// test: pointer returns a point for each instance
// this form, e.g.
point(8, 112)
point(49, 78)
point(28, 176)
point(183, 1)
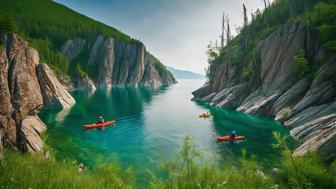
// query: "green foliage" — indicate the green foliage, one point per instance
point(323, 22)
point(301, 172)
point(7, 24)
point(304, 172)
point(301, 64)
point(248, 72)
point(79, 71)
point(190, 169)
point(212, 53)
point(47, 25)
point(50, 55)
point(157, 64)
point(34, 171)
point(47, 19)
point(319, 15)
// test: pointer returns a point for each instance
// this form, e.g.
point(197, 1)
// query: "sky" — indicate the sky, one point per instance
point(177, 32)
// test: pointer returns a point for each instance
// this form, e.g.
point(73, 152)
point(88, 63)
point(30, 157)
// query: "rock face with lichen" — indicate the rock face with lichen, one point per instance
point(306, 105)
point(25, 87)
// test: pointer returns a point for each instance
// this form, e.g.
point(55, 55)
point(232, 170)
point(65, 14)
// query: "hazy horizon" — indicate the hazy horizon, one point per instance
point(177, 32)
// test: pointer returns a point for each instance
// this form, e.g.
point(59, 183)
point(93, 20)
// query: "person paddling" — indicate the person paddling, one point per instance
point(233, 134)
point(100, 120)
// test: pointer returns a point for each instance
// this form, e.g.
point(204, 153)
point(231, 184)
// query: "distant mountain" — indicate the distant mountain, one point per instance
point(184, 74)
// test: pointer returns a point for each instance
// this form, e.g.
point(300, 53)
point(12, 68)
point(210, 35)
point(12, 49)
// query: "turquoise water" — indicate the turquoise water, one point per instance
point(151, 126)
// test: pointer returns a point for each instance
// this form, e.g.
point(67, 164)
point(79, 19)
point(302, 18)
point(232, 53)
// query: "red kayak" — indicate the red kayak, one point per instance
point(228, 138)
point(98, 125)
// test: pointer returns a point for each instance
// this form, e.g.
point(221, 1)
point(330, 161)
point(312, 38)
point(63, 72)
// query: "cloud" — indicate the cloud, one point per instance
point(175, 31)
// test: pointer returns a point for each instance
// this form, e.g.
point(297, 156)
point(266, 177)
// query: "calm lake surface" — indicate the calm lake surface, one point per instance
point(151, 126)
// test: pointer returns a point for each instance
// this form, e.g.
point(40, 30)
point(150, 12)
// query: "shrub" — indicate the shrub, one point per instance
point(301, 63)
point(191, 169)
point(80, 72)
point(7, 24)
point(34, 171)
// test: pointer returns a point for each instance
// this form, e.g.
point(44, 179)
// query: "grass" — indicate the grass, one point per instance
point(190, 168)
point(34, 171)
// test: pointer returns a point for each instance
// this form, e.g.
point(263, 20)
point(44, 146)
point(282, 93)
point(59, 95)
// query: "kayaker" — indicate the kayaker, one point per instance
point(233, 134)
point(100, 120)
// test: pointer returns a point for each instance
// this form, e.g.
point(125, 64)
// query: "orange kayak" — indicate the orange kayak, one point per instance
point(228, 138)
point(98, 125)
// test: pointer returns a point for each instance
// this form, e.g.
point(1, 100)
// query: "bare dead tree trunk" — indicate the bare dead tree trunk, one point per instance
point(265, 4)
point(228, 31)
point(223, 31)
point(245, 16)
point(228, 37)
point(245, 26)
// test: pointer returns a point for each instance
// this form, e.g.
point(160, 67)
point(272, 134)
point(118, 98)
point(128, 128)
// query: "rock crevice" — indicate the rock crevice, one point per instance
point(117, 63)
point(25, 86)
point(305, 106)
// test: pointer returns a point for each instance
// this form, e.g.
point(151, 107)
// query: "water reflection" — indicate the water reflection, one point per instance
point(151, 126)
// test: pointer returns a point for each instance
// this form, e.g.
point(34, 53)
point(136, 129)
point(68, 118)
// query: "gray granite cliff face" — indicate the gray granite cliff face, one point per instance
point(306, 107)
point(116, 63)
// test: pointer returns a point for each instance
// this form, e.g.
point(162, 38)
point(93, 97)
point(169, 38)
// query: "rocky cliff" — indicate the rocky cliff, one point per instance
point(25, 87)
point(109, 62)
point(306, 105)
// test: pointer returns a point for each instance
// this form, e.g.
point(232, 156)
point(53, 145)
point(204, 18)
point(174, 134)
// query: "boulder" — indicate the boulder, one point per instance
point(54, 94)
point(31, 129)
point(24, 87)
point(204, 91)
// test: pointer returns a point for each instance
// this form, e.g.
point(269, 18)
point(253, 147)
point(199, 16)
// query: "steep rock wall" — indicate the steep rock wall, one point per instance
point(25, 86)
point(116, 63)
point(307, 107)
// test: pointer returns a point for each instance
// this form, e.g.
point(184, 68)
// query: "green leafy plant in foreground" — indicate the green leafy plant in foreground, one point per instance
point(190, 168)
point(35, 171)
